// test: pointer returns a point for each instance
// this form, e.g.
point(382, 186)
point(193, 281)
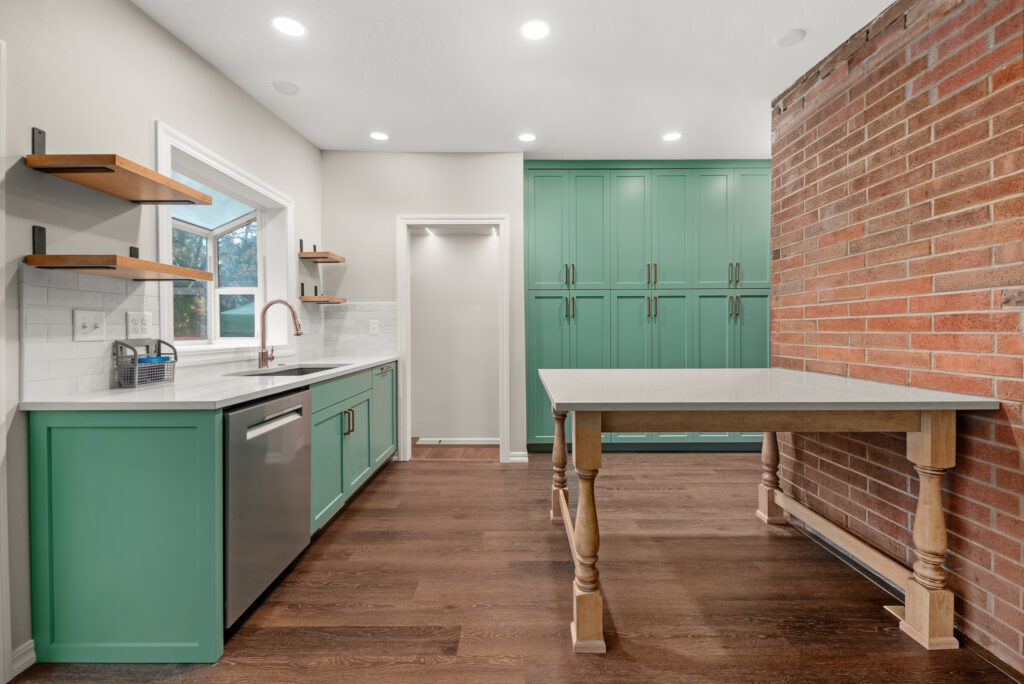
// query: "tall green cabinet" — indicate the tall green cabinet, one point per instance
point(645, 265)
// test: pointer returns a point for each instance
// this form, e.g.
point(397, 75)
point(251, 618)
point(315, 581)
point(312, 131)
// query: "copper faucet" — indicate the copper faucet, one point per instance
point(267, 356)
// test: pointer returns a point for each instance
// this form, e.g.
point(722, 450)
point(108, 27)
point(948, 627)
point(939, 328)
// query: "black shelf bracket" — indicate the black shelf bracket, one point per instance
point(38, 240)
point(38, 141)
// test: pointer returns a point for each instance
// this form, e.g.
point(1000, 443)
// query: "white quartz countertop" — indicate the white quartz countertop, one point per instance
point(738, 389)
point(204, 387)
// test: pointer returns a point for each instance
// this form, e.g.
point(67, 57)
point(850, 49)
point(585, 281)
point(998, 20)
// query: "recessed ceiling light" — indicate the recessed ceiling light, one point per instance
point(289, 27)
point(429, 232)
point(285, 87)
point(527, 137)
point(672, 137)
point(789, 38)
point(379, 135)
point(535, 30)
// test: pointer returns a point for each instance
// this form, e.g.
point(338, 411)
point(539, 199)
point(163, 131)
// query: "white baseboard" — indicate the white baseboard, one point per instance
point(22, 658)
point(518, 457)
point(469, 441)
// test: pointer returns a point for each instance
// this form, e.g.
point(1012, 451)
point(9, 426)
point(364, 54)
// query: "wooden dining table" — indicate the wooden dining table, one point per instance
point(771, 400)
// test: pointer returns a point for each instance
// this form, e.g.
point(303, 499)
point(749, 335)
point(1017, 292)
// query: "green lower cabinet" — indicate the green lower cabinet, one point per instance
point(327, 484)
point(547, 346)
point(127, 536)
point(631, 331)
point(384, 423)
point(356, 460)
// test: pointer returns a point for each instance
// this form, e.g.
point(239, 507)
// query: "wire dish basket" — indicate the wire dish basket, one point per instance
point(143, 362)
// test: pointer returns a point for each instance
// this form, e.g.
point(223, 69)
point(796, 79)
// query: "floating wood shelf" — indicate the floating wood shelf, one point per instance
point(322, 257)
point(115, 175)
point(116, 266)
point(323, 299)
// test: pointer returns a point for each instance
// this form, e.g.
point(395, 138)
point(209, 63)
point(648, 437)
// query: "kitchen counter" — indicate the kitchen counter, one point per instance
point(204, 387)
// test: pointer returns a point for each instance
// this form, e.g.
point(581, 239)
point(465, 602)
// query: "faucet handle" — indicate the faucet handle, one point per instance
point(270, 356)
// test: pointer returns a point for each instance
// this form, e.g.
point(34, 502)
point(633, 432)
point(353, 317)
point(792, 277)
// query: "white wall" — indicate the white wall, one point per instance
point(96, 75)
point(455, 290)
point(364, 192)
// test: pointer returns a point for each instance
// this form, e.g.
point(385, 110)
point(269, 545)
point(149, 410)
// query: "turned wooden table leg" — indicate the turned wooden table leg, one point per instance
point(928, 617)
point(588, 603)
point(767, 510)
point(558, 460)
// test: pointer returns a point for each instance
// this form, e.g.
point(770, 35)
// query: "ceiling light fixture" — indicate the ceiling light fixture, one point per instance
point(535, 30)
point(285, 87)
point(527, 137)
point(672, 137)
point(789, 38)
point(289, 27)
point(380, 136)
point(429, 232)
point(494, 231)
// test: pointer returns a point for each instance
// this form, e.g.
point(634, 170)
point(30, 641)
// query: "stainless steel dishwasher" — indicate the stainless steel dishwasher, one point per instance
point(267, 496)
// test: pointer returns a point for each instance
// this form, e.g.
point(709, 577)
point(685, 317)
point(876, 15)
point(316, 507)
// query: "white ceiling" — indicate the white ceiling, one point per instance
point(457, 76)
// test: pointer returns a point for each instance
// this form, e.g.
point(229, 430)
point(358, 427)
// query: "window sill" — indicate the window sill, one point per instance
point(198, 354)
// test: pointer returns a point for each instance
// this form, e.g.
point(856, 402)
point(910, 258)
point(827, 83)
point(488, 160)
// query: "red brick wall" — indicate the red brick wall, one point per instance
point(898, 256)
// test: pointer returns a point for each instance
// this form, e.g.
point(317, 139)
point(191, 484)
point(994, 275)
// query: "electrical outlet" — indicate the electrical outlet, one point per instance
point(138, 324)
point(374, 327)
point(88, 326)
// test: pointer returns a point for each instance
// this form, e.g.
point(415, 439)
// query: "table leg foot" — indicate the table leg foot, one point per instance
point(587, 626)
point(928, 617)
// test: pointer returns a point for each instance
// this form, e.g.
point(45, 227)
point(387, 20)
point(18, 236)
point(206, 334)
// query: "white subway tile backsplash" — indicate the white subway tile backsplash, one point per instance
point(95, 283)
point(75, 299)
point(42, 314)
point(33, 294)
point(49, 277)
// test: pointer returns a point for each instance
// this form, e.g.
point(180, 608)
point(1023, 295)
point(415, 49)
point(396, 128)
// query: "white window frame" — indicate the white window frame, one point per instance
point(176, 152)
point(214, 289)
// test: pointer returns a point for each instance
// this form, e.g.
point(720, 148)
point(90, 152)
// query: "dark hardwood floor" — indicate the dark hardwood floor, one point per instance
point(450, 571)
point(453, 452)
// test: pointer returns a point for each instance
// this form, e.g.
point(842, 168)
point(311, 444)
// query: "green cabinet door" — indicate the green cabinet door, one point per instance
point(670, 235)
point(631, 229)
point(547, 346)
point(355, 441)
point(127, 547)
point(327, 484)
point(713, 340)
point(752, 242)
point(590, 329)
point(590, 232)
point(631, 340)
point(384, 426)
point(712, 249)
point(750, 331)
point(547, 229)
point(671, 341)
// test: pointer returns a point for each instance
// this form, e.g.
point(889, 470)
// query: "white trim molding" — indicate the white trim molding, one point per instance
point(176, 151)
point(6, 657)
point(23, 658)
point(518, 457)
point(403, 288)
point(455, 441)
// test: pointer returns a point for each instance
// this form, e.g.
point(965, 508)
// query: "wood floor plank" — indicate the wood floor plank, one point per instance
point(449, 570)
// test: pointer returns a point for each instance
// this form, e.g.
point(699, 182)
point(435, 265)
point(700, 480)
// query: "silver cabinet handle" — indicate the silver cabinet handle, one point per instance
point(655, 306)
point(655, 272)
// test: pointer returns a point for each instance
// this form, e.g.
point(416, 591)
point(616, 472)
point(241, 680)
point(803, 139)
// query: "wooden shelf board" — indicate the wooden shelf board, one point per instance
point(115, 175)
point(116, 266)
point(322, 257)
point(323, 299)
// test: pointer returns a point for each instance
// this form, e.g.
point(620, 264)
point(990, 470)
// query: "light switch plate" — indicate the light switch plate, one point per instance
point(138, 324)
point(88, 326)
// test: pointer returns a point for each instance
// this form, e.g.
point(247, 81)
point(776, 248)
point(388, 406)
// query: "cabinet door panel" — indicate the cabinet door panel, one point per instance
point(713, 234)
point(752, 231)
point(631, 340)
point(750, 328)
point(671, 342)
point(712, 341)
point(590, 330)
point(327, 485)
point(631, 228)
point(547, 346)
point(670, 233)
point(355, 448)
point(590, 236)
point(382, 414)
point(547, 228)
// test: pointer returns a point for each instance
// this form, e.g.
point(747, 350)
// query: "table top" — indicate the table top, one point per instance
point(738, 389)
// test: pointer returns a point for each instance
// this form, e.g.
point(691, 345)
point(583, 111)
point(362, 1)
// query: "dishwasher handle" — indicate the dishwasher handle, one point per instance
point(273, 422)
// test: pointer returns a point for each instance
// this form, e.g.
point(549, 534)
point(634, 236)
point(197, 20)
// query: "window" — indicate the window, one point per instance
point(223, 238)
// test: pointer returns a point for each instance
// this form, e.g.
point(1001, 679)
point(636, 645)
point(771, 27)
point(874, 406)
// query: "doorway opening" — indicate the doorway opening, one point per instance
point(453, 337)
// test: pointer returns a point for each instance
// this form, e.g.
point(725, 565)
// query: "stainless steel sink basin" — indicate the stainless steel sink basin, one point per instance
point(292, 370)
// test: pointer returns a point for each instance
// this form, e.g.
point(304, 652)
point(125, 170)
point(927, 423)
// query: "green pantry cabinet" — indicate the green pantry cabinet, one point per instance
point(645, 265)
point(127, 521)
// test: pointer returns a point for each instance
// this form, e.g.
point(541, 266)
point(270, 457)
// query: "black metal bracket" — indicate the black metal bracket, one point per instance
point(38, 141)
point(300, 245)
point(315, 292)
point(302, 289)
point(133, 252)
point(38, 240)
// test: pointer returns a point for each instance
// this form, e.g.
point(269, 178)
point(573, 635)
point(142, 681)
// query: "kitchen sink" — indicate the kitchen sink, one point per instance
point(292, 370)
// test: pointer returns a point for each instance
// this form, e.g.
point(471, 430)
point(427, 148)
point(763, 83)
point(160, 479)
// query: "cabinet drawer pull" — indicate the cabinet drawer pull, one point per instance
point(574, 306)
point(384, 369)
point(566, 274)
point(730, 305)
point(739, 298)
point(655, 306)
point(566, 307)
point(574, 273)
point(737, 271)
point(648, 272)
point(648, 306)
point(655, 274)
point(344, 413)
point(730, 271)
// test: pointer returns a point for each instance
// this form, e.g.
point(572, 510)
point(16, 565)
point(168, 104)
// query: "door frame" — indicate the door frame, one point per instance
point(6, 647)
point(403, 288)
